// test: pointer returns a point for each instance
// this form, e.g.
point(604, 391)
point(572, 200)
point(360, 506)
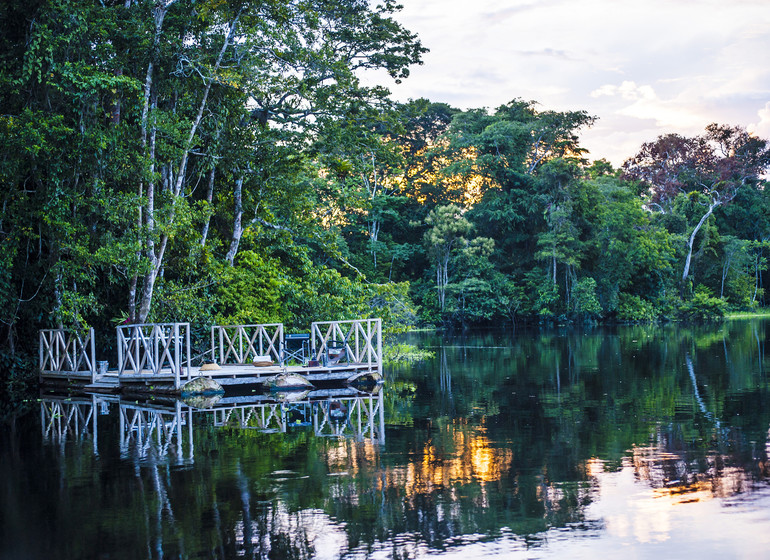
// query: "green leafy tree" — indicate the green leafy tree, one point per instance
point(515, 139)
point(448, 228)
point(471, 291)
point(509, 295)
point(142, 139)
point(584, 303)
point(713, 167)
point(633, 255)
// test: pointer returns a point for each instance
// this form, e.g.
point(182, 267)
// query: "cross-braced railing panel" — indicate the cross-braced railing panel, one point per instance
point(357, 417)
point(154, 349)
point(267, 417)
point(67, 352)
point(360, 417)
point(241, 344)
point(361, 338)
point(61, 421)
point(146, 431)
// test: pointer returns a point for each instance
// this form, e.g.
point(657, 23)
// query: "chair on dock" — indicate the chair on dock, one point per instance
point(296, 347)
point(336, 352)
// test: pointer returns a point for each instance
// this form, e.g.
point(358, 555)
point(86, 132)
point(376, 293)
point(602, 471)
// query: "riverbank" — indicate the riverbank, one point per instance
point(762, 314)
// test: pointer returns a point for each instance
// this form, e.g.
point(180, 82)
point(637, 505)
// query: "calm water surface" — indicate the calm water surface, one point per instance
point(640, 442)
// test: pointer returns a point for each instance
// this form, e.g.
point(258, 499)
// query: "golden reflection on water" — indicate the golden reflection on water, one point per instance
point(676, 479)
point(471, 458)
point(352, 456)
point(459, 455)
point(652, 497)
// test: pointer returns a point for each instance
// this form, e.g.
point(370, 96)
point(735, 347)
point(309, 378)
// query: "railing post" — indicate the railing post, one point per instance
point(189, 358)
point(222, 357)
point(135, 336)
point(213, 351)
point(41, 363)
point(176, 365)
point(120, 351)
point(58, 361)
point(379, 346)
point(357, 326)
point(239, 352)
point(151, 355)
point(93, 355)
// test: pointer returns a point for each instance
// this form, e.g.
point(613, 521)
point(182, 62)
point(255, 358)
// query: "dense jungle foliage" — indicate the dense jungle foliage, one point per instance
point(222, 161)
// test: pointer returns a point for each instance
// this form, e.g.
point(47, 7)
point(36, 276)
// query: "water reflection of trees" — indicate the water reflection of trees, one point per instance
point(561, 400)
point(684, 478)
point(156, 487)
point(490, 438)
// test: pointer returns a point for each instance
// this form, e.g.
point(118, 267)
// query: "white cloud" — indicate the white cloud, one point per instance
point(627, 90)
point(762, 127)
point(644, 69)
point(641, 102)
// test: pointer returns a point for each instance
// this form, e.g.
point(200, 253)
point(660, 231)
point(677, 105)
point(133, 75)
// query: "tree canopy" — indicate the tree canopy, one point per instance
point(208, 161)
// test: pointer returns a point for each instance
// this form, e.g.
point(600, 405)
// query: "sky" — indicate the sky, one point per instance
point(644, 68)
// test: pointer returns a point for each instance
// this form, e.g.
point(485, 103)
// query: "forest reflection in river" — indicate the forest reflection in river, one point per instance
point(651, 440)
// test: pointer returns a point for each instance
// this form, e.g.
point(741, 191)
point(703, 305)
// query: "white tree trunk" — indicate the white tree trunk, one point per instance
point(237, 221)
point(691, 241)
point(156, 258)
point(209, 199)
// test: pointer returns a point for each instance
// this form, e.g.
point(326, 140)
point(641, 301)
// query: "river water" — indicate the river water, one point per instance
point(640, 442)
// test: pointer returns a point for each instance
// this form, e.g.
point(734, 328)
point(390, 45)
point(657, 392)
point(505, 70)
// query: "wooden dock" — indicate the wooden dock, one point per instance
point(156, 357)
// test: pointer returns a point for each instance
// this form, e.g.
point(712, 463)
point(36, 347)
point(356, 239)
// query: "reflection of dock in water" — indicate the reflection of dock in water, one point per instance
point(331, 413)
point(146, 429)
point(65, 419)
point(165, 430)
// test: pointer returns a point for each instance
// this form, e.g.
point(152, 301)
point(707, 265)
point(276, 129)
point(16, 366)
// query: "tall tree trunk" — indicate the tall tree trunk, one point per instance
point(442, 278)
point(149, 223)
point(132, 298)
point(374, 232)
point(757, 261)
point(159, 13)
point(554, 268)
point(115, 111)
point(439, 287)
point(725, 270)
point(237, 218)
point(691, 241)
point(209, 199)
point(372, 186)
point(156, 259)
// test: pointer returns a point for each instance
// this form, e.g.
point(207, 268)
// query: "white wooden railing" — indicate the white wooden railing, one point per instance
point(155, 349)
point(362, 339)
point(240, 344)
point(67, 353)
